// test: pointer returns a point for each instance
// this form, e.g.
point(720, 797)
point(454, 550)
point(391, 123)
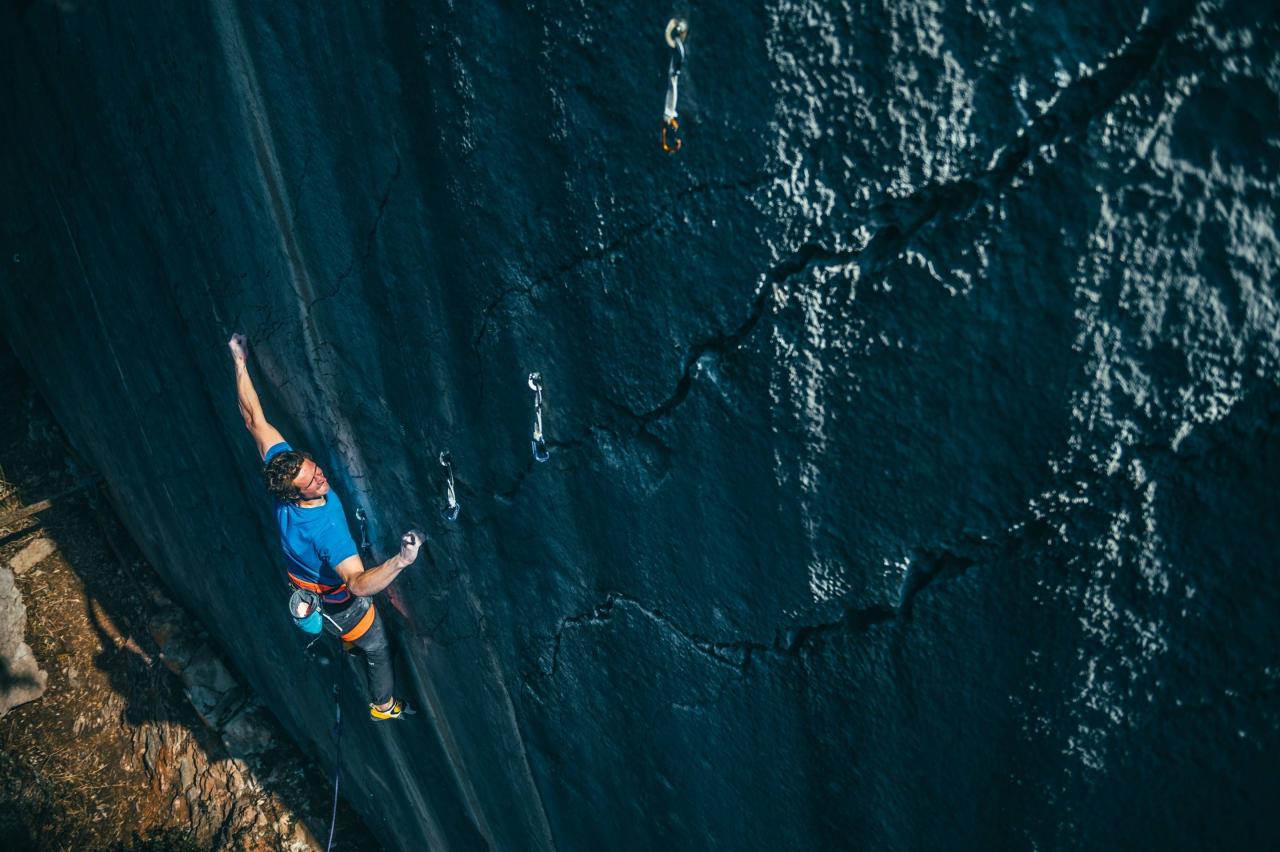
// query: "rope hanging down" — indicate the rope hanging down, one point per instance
point(337, 754)
point(366, 548)
point(677, 32)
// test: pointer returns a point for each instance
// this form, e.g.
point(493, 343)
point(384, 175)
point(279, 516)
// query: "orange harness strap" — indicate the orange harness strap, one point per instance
point(362, 626)
point(316, 587)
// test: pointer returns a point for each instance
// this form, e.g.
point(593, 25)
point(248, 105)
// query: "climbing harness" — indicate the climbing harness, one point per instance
point(353, 618)
point(328, 594)
point(677, 31)
point(451, 509)
point(540, 451)
point(362, 519)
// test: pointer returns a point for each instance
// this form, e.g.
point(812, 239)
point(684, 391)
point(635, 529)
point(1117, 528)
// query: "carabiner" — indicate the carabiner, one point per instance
point(363, 520)
point(674, 126)
point(677, 28)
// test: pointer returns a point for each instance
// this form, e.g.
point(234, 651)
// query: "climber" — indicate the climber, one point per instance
point(320, 553)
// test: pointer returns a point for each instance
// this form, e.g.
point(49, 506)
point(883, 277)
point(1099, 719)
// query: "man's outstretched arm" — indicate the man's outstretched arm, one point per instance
point(368, 582)
point(264, 434)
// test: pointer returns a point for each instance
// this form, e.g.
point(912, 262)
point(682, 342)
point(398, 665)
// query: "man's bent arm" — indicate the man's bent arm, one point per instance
point(364, 583)
point(264, 434)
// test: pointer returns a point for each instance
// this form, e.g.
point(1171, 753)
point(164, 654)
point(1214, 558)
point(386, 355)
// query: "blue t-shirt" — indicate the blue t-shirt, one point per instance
point(315, 539)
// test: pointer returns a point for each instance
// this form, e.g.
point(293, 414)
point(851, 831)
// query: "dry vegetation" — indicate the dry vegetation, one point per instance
point(113, 755)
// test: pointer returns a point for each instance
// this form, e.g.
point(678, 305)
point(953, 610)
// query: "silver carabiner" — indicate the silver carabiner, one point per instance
point(677, 30)
point(362, 519)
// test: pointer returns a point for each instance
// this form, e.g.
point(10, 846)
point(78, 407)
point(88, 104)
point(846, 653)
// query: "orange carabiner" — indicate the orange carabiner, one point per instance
point(675, 129)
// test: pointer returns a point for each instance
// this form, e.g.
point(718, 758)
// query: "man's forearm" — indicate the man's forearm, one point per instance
point(250, 406)
point(374, 580)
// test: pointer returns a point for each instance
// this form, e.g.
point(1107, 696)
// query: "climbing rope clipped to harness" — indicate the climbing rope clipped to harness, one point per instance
point(540, 451)
point(677, 31)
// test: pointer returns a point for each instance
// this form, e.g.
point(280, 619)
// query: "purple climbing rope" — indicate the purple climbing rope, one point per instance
point(337, 753)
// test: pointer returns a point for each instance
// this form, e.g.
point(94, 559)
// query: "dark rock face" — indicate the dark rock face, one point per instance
point(914, 429)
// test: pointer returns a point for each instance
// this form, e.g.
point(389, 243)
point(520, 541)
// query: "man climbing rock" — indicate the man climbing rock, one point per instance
point(320, 553)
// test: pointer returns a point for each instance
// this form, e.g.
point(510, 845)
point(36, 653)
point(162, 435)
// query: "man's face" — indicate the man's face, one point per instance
point(310, 481)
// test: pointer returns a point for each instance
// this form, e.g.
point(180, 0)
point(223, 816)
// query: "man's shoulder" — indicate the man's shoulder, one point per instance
point(275, 450)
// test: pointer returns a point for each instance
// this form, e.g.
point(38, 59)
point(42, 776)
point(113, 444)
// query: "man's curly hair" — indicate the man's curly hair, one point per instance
point(280, 472)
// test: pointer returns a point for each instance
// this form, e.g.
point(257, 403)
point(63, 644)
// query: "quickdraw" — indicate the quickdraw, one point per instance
point(677, 31)
point(363, 520)
point(540, 451)
point(451, 509)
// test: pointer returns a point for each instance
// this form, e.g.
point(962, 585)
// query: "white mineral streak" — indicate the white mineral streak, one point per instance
point(931, 113)
point(321, 399)
point(797, 382)
point(1145, 287)
point(922, 134)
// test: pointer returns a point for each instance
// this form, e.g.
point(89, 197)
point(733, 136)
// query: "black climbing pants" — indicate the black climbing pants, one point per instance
point(347, 619)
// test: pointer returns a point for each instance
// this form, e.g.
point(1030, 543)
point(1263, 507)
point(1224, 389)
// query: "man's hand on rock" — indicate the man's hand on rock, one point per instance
point(239, 346)
point(410, 542)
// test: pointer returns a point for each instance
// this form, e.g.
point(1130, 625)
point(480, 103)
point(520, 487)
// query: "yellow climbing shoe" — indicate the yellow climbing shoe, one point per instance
point(392, 712)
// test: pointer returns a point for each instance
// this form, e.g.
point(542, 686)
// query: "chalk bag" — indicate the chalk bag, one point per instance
point(304, 607)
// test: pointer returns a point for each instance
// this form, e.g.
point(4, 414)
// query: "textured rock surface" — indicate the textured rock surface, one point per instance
point(21, 678)
point(914, 429)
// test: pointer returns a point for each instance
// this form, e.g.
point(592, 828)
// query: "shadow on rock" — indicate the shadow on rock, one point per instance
point(144, 738)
